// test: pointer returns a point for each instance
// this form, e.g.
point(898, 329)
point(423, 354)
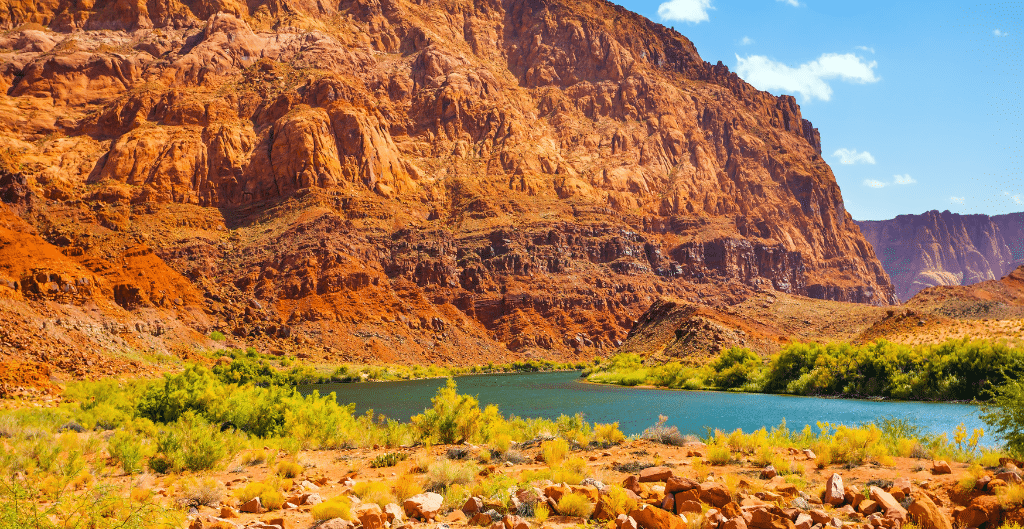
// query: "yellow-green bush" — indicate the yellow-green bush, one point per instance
point(554, 451)
point(289, 469)
point(575, 504)
point(405, 488)
point(336, 507)
point(718, 455)
point(377, 492)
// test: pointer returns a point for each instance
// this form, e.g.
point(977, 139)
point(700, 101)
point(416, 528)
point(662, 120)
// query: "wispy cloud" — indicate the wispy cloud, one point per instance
point(1016, 198)
point(808, 79)
point(793, 3)
point(866, 48)
point(999, 33)
point(746, 41)
point(897, 180)
point(695, 11)
point(956, 200)
point(851, 156)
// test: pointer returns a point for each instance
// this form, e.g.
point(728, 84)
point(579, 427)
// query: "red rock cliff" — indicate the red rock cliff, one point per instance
point(933, 249)
point(417, 180)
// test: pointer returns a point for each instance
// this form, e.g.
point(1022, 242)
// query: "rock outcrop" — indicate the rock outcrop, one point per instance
point(395, 180)
point(933, 248)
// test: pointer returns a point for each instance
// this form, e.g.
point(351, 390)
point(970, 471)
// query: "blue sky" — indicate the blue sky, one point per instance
point(918, 103)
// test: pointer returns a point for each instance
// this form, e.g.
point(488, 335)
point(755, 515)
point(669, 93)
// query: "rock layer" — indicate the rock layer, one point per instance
point(945, 249)
point(416, 181)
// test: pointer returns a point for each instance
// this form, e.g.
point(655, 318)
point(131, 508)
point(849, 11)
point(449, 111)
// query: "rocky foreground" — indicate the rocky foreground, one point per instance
point(684, 491)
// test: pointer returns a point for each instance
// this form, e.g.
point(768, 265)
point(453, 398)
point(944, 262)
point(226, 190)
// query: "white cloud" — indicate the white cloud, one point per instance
point(695, 11)
point(904, 179)
point(851, 156)
point(1015, 198)
point(999, 33)
point(866, 48)
point(956, 200)
point(793, 3)
point(808, 79)
point(875, 184)
point(746, 41)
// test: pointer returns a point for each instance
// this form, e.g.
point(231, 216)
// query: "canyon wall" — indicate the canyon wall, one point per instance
point(935, 249)
point(396, 180)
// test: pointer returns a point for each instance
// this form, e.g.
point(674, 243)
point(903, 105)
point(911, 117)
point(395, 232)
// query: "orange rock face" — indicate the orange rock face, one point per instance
point(401, 181)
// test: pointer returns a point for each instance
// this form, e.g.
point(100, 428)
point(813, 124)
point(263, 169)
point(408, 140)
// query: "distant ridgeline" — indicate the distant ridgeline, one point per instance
point(933, 248)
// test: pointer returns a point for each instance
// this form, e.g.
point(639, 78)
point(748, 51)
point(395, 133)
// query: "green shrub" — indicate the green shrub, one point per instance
point(217, 336)
point(452, 417)
point(289, 469)
point(377, 492)
point(718, 455)
point(554, 451)
point(388, 460)
point(445, 473)
point(126, 449)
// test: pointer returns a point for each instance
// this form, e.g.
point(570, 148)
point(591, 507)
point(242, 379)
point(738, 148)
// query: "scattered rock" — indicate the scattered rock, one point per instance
point(834, 493)
point(655, 518)
point(655, 474)
point(927, 514)
point(423, 506)
point(941, 467)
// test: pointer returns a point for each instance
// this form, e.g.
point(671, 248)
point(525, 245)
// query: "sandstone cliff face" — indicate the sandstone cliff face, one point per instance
point(933, 249)
point(439, 180)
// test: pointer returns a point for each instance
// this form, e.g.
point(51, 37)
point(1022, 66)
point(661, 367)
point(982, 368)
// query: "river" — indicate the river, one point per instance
point(549, 395)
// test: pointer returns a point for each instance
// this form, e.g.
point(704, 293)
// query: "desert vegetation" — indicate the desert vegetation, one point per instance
point(958, 370)
point(147, 453)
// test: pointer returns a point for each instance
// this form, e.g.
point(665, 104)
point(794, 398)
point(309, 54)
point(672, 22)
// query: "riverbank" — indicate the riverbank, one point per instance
point(149, 471)
point(954, 371)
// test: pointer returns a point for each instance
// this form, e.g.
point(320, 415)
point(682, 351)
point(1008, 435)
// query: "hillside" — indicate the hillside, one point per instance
point(398, 181)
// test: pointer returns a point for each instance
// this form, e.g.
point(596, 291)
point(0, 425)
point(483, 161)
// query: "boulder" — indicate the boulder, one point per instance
point(941, 467)
point(689, 507)
point(253, 506)
point(927, 514)
point(819, 516)
point(868, 507)
point(624, 521)
point(632, 483)
point(336, 523)
point(655, 518)
point(803, 521)
point(716, 494)
point(679, 484)
point(735, 523)
point(669, 503)
point(886, 501)
point(902, 484)
point(768, 472)
point(810, 455)
point(688, 495)
point(394, 514)
point(834, 493)
point(761, 518)
point(651, 474)
point(370, 515)
point(423, 506)
point(984, 512)
point(473, 506)
point(1009, 477)
point(456, 517)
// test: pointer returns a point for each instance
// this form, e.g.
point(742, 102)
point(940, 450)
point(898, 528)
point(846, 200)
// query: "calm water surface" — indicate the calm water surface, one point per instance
point(549, 395)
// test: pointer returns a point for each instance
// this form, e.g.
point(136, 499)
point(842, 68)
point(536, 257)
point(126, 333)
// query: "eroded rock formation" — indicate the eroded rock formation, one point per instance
point(933, 248)
point(398, 180)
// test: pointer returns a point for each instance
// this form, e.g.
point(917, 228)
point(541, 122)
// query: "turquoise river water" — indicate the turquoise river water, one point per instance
point(549, 395)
